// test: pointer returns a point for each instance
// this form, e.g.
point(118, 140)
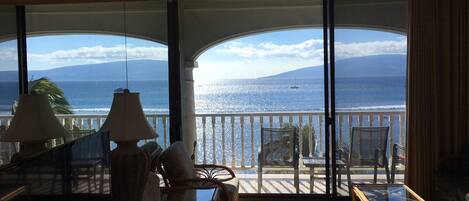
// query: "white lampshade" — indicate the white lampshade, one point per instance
point(34, 121)
point(126, 120)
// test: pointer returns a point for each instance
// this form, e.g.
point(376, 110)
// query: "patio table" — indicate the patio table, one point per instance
point(313, 162)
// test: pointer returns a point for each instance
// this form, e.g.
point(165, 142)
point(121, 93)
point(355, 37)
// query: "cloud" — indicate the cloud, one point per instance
point(347, 50)
point(95, 54)
point(306, 49)
point(313, 49)
point(8, 58)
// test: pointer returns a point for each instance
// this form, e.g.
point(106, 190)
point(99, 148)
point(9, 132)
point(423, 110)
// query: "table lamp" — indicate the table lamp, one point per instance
point(130, 166)
point(33, 124)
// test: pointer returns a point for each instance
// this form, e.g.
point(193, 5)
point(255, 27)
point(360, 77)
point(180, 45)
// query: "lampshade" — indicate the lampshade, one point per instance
point(126, 120)
point(34, 121)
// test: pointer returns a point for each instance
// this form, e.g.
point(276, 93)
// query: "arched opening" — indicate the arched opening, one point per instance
point(276, 79)
point(87, 69)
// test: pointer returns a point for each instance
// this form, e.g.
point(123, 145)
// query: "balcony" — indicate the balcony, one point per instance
point(233, 139)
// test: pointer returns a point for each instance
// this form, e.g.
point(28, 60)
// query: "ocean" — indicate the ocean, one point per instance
point(253, 95)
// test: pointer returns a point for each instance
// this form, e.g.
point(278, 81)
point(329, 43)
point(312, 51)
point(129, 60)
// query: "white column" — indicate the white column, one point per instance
point(189, 132)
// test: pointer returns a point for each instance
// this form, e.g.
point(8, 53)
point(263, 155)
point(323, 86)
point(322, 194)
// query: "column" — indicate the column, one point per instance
point(189, 132)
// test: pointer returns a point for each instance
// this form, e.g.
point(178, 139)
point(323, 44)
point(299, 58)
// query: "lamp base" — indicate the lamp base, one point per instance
point(129, 172)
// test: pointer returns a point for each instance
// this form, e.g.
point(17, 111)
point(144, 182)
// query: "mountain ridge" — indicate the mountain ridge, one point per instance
point(391, 65)
point(141, 70)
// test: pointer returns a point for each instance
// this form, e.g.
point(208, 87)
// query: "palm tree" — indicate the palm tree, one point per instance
point(57, 100)
point(56, 97)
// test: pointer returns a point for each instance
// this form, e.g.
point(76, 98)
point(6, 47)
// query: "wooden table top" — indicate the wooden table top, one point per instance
point(10, 191)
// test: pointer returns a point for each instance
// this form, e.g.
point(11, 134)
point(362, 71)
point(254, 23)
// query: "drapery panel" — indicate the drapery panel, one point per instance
point(437, 89)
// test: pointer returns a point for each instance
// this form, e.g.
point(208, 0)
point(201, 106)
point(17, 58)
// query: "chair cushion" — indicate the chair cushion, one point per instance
point(152, 188)
point(177, 163)
point(231, 187)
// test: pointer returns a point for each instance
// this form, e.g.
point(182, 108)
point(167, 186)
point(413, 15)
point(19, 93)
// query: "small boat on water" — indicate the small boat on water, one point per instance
point(295, 86)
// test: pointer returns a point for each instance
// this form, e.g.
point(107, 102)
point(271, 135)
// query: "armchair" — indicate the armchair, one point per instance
point(179, 173)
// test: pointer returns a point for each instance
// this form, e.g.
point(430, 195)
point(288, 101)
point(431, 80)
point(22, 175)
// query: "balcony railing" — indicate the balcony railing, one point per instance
point(233, 139)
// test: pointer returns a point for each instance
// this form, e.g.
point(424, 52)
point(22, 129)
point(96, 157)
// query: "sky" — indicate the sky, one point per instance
point(250, 56)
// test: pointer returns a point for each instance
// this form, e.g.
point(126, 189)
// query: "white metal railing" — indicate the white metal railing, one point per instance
point(234, 138)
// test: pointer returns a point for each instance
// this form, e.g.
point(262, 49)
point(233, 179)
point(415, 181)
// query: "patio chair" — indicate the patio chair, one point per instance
point(179, 172)
point(367, 148)
point(279, 149)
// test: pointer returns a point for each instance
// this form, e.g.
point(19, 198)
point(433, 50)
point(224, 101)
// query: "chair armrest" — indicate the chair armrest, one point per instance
point(396, 149)
point(215, 172)
point(398, 146)
point(197, 183)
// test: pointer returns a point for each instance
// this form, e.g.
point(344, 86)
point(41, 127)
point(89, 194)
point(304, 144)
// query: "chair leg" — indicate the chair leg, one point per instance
point(94, 178)
point(339, 174)
point(88, 179)
point(386, 166)
point(311, 179)
point(259, 179)
point(297, 180)
point(349, 180)
point(393, 169)
point(101, 178)
point(375, 176)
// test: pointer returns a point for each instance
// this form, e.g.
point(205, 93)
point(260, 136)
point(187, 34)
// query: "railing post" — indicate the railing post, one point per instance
point(203, 139)
point(341, 125)
point(233, 150)
point(155, 123)
point(402, 129)
point(310, 123)
point(223, 150)
point(350, 124)
point(320, 119)
point(165, 133)
point(242, 141)
point(300, 137)
point(370, 119)
point(271, 121)
point(380, 119)
point(100, 122)
point(360, 119)
point(214, 160)
point(391, 131)
point(251, 121)
point(90, 122)
point(82, 123)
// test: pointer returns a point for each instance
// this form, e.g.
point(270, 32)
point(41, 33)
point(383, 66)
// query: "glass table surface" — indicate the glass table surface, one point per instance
point(388, 192)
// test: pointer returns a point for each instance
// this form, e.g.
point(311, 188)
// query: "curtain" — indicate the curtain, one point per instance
point(437, 89)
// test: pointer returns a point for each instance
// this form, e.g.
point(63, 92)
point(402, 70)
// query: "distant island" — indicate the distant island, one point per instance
point(141, 70)
point(368, 66)
point(113, 71)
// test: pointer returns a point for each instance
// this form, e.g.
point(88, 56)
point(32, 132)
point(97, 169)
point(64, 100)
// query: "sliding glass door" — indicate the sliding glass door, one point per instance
point(369, 47)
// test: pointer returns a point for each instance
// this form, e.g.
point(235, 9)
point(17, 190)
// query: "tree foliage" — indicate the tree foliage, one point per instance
point(57, 99)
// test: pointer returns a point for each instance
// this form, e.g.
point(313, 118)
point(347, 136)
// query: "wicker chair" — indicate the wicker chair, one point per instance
point(279, 149)
point(179, 173)
point(367, 148)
